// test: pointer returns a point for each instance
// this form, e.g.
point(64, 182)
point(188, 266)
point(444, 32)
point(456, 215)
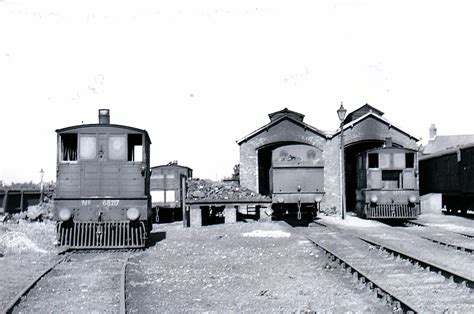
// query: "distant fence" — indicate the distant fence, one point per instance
point(15, 201)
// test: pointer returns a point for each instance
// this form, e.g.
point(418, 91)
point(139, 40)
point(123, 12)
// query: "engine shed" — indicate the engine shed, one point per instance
point(364, 128)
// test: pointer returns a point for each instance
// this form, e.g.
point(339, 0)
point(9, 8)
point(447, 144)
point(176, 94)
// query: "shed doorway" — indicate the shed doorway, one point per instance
point(350, 153)
point(265, 163)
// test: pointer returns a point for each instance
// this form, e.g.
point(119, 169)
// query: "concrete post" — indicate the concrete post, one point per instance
point(195, 216)
point(230, 214)
point(265, 214)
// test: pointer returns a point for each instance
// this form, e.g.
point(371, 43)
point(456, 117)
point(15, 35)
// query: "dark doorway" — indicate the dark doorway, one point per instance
point(350, 153)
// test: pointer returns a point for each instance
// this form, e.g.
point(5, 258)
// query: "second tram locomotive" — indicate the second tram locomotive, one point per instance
point(387, 185)
point(297, 179)
point(103, 189)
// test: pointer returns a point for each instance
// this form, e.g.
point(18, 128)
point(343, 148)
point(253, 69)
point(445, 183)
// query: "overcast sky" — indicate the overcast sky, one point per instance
point(198, 78)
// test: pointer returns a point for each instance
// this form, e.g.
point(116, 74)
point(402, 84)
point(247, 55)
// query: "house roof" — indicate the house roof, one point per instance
point(446, 143)
point(277, 117)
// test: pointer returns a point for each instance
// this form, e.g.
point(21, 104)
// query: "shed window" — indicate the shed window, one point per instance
point(373, 160)
point(410, 160)
point(117, 148)
point(135, 147)
point(68, 147)
point(88, 147)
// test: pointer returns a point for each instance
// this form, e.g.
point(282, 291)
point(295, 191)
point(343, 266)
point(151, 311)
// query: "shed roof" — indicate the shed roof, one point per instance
point(277, 117)
point(286, 112)
point(356, 114)
point(374, 114)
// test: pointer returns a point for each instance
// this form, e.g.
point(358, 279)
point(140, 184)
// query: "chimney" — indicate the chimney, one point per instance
point(104, 116)
point(388, 142)
point(432, 132)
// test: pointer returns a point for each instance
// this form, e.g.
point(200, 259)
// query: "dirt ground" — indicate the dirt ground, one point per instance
point(26, 249)
point(257, 267)
point(242, 267)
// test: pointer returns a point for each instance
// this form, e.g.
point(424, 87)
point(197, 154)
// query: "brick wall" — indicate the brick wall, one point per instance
point(290, 131)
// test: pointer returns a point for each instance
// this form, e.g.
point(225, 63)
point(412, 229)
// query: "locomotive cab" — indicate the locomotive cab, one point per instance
point(103, 198)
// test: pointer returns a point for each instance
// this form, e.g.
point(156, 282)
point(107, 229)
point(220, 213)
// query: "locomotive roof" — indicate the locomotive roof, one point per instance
point(171, 166)
point(102, 125)
point(394, 148)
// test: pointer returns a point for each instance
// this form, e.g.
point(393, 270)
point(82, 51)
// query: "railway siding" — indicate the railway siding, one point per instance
point(442, 236)
point(444, 257)
point(85, 282)
point(421, 289)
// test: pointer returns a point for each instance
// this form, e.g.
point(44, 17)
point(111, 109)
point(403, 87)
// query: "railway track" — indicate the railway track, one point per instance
point(407, 285)
point(74, 278)
point(417, 224)
point(454, 240)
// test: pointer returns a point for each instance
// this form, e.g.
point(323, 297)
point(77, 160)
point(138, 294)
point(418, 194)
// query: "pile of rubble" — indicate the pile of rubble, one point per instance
point(208, 190)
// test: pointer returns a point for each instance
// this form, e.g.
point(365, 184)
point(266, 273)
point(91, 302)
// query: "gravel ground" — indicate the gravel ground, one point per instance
point(257, 267)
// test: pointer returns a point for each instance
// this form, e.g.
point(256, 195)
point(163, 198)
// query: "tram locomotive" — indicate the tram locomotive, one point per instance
point(297, 180)
point(387, 185)
point(166, 189)
point(103, 185)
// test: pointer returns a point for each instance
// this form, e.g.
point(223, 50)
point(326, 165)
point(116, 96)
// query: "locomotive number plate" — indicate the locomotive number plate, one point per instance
point(110, 202)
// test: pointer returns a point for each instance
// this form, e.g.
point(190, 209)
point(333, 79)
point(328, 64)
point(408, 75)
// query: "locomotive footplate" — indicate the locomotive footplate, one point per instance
point(101, 234)
point(395, 211)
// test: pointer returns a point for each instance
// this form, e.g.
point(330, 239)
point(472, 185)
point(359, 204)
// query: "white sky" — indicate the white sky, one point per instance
point(198, 78)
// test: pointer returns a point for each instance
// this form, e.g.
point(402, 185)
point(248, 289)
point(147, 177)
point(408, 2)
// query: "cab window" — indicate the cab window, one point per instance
point(69, 147)
point(88, 147)
point(117, 148)
point(135, 148)
point(373, 160)
point(410, 160)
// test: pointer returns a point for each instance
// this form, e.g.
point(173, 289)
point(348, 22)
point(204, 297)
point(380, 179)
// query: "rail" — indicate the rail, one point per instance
point(17, 298)
point(430, 266)
point(398, 305)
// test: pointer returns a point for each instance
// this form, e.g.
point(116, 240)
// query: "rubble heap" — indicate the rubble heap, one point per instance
point(206, 189)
